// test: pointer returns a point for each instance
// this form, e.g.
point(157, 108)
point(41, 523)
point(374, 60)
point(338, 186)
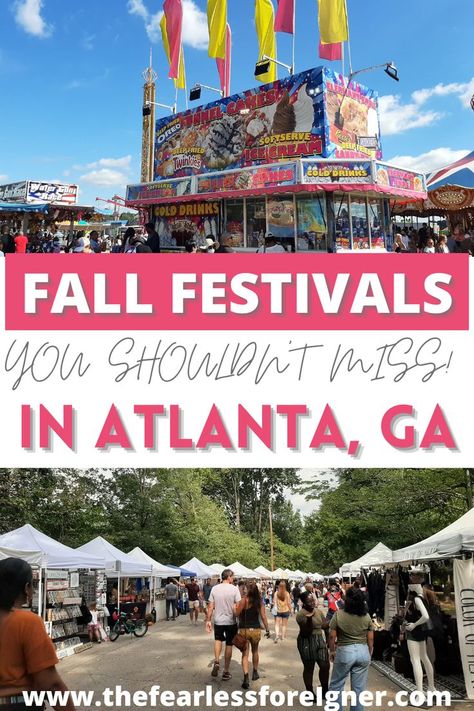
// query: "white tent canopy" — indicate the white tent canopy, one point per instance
point(451, 541)
point(34, 558)
point(279, 574)
point(159, 570)
point(242, 571)
point(317, 577)
point(264, 572)
point(201, 570)
point(116, 561)
point(55, 555)
point(377, 556)
point(217, 568)
point(299, 575)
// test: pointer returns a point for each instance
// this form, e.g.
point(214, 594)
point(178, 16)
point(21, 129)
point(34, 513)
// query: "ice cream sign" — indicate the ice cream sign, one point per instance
point(248, 179)
point(277, 122)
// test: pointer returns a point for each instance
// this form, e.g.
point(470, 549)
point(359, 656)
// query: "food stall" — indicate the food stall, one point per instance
point(300, 158)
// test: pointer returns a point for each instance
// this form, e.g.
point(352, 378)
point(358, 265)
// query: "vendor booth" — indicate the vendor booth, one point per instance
point(299, 158)
point(58, 592)
point(264, 573)
point(200, 569)
point(378, 556)
point(444, 562)
point(217, 568)
point(241, 571)
point(156, 605)
point(125, 590)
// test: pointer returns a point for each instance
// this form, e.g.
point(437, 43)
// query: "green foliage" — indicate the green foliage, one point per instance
point(173, 514)
point(395, 506)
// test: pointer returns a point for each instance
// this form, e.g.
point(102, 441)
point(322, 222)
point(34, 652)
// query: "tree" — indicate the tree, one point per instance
point(395, 506)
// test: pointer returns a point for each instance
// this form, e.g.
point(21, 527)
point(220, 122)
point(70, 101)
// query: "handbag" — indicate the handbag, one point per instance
point(239, 640)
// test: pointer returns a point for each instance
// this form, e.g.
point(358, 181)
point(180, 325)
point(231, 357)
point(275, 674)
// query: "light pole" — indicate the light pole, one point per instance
point(148, 104)
point(195, 92)
point(263, 65)
point(389, 69)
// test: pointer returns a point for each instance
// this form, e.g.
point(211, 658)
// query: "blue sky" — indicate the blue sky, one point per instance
point(71, 87)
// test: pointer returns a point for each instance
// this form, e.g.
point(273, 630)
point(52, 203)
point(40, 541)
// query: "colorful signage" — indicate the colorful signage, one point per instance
point(58, 193)
point(351, 118)
point(13, 192)
point(251, 178)
point(390, 177)
point(176, 223)
point(325, 173)
point(275, 122)
point(160, 190)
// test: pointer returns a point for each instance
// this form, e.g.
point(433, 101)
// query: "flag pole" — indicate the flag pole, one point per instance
point(349, 53)
point(293, 68)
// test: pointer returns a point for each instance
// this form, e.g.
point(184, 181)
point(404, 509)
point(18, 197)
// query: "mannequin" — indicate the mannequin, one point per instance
point(416, 616)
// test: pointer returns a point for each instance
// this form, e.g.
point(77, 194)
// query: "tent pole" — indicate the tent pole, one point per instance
point(118, 592)
point(40, 592)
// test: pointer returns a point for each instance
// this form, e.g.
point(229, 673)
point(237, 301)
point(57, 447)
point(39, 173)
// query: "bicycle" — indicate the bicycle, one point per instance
point(125, 625)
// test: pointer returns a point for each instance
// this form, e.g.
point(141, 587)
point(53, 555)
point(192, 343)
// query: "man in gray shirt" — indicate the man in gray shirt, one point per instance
point(171, 596)
point(222, 602)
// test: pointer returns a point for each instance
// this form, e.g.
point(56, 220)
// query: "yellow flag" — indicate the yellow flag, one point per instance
point(217, 23)
point(333, 21)
point(264, 23)
point(180, 82)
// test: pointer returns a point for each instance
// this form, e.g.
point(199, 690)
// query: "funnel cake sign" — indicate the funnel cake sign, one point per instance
point(282, 121)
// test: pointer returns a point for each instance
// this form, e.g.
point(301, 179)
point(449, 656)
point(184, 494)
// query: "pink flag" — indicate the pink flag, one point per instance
point(224, 65)
point(330, 51)
point(285, 17)
point(174, 24)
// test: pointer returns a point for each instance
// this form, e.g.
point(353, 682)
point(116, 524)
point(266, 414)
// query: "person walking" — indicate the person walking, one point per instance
point(353, 630)
point(194, 594)
point(282, 610)
point(27, 655)
point(295, 596)
point(250, 610)
point(311, 642)
point(222, 602)
point(171, 597)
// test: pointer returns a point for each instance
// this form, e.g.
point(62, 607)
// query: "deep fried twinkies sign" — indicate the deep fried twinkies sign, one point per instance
point(245, 360)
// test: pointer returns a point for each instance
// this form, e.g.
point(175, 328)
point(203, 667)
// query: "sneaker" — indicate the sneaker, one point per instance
point(215, 669)
point(245, 683)
point(255, 675)
point(226, 676)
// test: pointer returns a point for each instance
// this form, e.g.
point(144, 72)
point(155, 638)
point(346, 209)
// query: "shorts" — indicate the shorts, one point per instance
point(313, 650)
point(253, 635)
point(284, 615)
point(194, 604)
point(225, 633)
point(93, 626)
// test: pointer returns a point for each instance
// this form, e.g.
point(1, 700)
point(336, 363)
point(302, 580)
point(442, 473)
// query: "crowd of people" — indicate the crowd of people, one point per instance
point(426, 241)
point(333, 625)
point(147, 240)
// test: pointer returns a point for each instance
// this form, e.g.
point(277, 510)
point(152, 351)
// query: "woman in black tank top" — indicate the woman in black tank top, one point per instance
point(252, 615)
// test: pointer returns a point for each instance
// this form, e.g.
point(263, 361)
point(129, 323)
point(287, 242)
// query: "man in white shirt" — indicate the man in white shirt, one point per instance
point(222, 601)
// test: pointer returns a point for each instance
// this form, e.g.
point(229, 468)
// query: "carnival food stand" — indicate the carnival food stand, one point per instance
point(300, 158)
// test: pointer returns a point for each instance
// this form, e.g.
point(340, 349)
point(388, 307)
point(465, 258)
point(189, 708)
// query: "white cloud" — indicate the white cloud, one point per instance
point(430, 161)
point(28, 17)
point(105, 177)
point(3, 177)
point(88, 42)
point(106, 172)
point(397, 117)
point(195, 33)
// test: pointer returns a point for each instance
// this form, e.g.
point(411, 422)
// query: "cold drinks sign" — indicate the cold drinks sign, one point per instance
point(242, 361)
